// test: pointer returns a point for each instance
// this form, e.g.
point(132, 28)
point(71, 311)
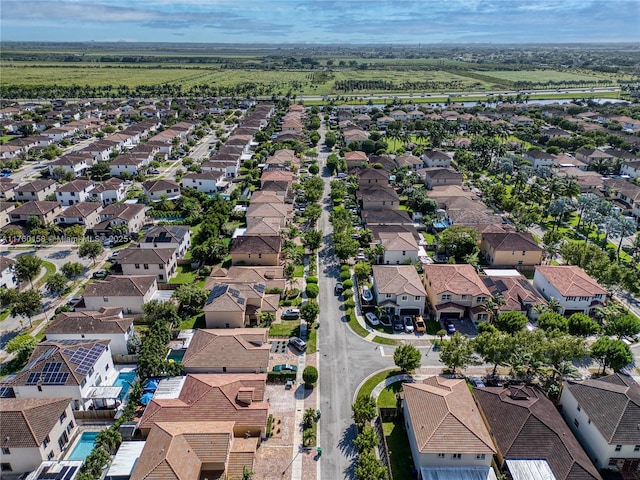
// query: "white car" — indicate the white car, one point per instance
point(372, 319)
point(367, 296)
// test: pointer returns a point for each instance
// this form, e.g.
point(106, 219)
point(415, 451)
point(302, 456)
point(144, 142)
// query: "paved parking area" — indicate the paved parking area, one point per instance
point(275, 454)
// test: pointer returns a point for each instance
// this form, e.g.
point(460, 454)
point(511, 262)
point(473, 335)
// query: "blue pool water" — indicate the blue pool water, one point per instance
point(84, 446)
point(176, 355)
point(124, 380)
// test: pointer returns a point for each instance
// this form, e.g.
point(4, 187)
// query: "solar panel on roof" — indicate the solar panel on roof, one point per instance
point(260, 288)
point(51, 367)
point(234, 292)
point(59, 378)
point(7, 392)
point(33, 378)
point(241, 300)
point(501, 286)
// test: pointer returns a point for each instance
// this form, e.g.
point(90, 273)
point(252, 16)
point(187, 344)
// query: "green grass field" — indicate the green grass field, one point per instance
point(550, 75)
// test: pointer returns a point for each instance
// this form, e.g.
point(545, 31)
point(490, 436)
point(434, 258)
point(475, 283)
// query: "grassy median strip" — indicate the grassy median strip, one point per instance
point(368, 386)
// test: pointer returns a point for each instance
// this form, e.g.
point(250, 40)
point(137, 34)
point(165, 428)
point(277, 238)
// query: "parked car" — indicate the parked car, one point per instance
point(339, 288)
point(372, 319)
point(398, 326)
point(420, 325)
point(291, 313)
point(285, 367)
point(114, 255)
point(408, 324)
point(73, 301)
point(451, 328)
point(477, 382)
point(298, 344)
point(367, 296)
point(100, 274)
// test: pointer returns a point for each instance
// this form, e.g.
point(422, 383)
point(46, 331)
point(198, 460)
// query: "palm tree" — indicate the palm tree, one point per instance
point(553, 304)
point(493, 304)
point(626, 227)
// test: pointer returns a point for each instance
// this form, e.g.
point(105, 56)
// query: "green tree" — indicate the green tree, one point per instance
point(27, 303)
point(362, 271)
point(72, 270)
point(368, 467)
point(309, 417)
point(312, 290)
point(91, 249)
point(626, 325)
point(312, 213)
point(165, 313)
point(310, 376)
point(56, 284)
point(191, 298)
point(366, 440)
point(75, 232)
point(582, 325)
point(22, 345)
point(309, 311)
point(312, 239)
point(458, 241)
point(344, 246)
point(457, 352)
point(109, 439)
point(363, 411)
point(407, 357)
point(553, 321)
point(611, 353)
point(27, 267)
point(100, 170)
point(330, 140)
point(511, 322)
point(494, 347)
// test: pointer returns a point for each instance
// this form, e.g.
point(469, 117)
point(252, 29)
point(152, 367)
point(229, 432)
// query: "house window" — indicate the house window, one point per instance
point(579, 408)
point(417, 298)
point(259, 255)
point(39, 388)
point(456, 456)
point(576, 423)
point(482, 317)
point(618, 448)
point(106, 367)
point(161, 277)
point(404, 252)
point(388, 295)
point(463, 297)
point(91, 371)
point(481, 299)
point(137, 265)
point(441, 455)
point(70, 426)
point(6, 451)
point(446, 296)
point(520, 262)
point(73, 194)
point(146, 266)
point(5, 467)
point(63, 416)
point(105, 299)
point(570, 299)
point(584, 299)
point(46, 441)
point(636, 448)
point(404, 298)
point(480, 456)
point(51, 455)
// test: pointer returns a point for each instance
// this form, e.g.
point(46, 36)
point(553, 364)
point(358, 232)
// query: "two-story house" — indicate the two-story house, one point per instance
point(516, 291)
point(455, 292)
point(373, 176)
point(127, 293)
point(398, 289)
point(45, 211)
point(34, 190)
point(75, 191)
point(75, 164)
point(438, 177)
point(436, 158)
point(238, 305)
point(399, 247)
point(112, 190)
point(255, 250)
point(156, 190)
point(177, 237)
point(378, 198)
point(206, 181)
point(576, 291)
point(161, 262)
point(603, 414)
point(539, 158)
point(510, 249)
point(107, 323)
point(65, 369)
point(447, 435)
point(130, 215)
point(82, 213)
point(34, 430)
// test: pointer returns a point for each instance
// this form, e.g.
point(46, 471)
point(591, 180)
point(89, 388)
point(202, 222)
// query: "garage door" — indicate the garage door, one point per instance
point(410, 311)
point(450, 316)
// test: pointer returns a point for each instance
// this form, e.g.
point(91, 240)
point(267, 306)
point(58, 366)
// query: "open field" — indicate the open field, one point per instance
point(552, 75)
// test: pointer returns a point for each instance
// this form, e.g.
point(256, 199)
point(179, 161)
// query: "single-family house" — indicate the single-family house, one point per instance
point(61, 369)
point(255, 250)
point(130, 215)
point(270, 277)
point(631, 168)
point(516, 291)
point(398, 289)
point(161, 262)
point(399, 247)
point(45, 211)
point(156, 190)
point(526, 425)
point(128, 293)
point(238, 305)
point(603, 414)
point(34, 430)
point(571, 286)
point(258, 212)
point(237, 397)
point(510, 249)
point(237, 350)
point(539, 158)
point(378, 198)
point(594, 155)
point(7, 189)
point(131, 164)
point(177, 237)
point(191, 450)
point(447, 435)
point(209, 181)
point(409, 160)
point(5, 209)
point(7, 275)
point(386, 217)
point(373, 176)
point(107, 323)
point(71, 163)
point(455, 292)
point(436, 158)
point(82, 213)
point(74, 191)
point(112, 190)
point(438, 177)
point(34, 190)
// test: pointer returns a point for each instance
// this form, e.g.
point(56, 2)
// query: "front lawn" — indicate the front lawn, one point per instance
point(399, 449)
point(312, 339)
point(286, 328)
point(387, 398)
point(368, 386)
point(196, 321)
point(185, 274)
point(50, 270)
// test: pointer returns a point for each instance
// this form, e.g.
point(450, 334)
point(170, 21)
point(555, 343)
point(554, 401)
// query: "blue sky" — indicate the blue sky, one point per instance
point(322, 21)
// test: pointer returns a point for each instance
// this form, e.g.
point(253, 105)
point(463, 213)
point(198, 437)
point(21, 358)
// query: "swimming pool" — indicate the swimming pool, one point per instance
point(176, 355)
point(84, 446)
point(124, 380)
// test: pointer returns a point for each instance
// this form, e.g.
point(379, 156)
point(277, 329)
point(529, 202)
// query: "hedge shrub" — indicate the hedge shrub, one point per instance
point(312, 290)
point(347, 284)
point(310, 375)
point(280, 377)
point(312, 279)
point(345, 275)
